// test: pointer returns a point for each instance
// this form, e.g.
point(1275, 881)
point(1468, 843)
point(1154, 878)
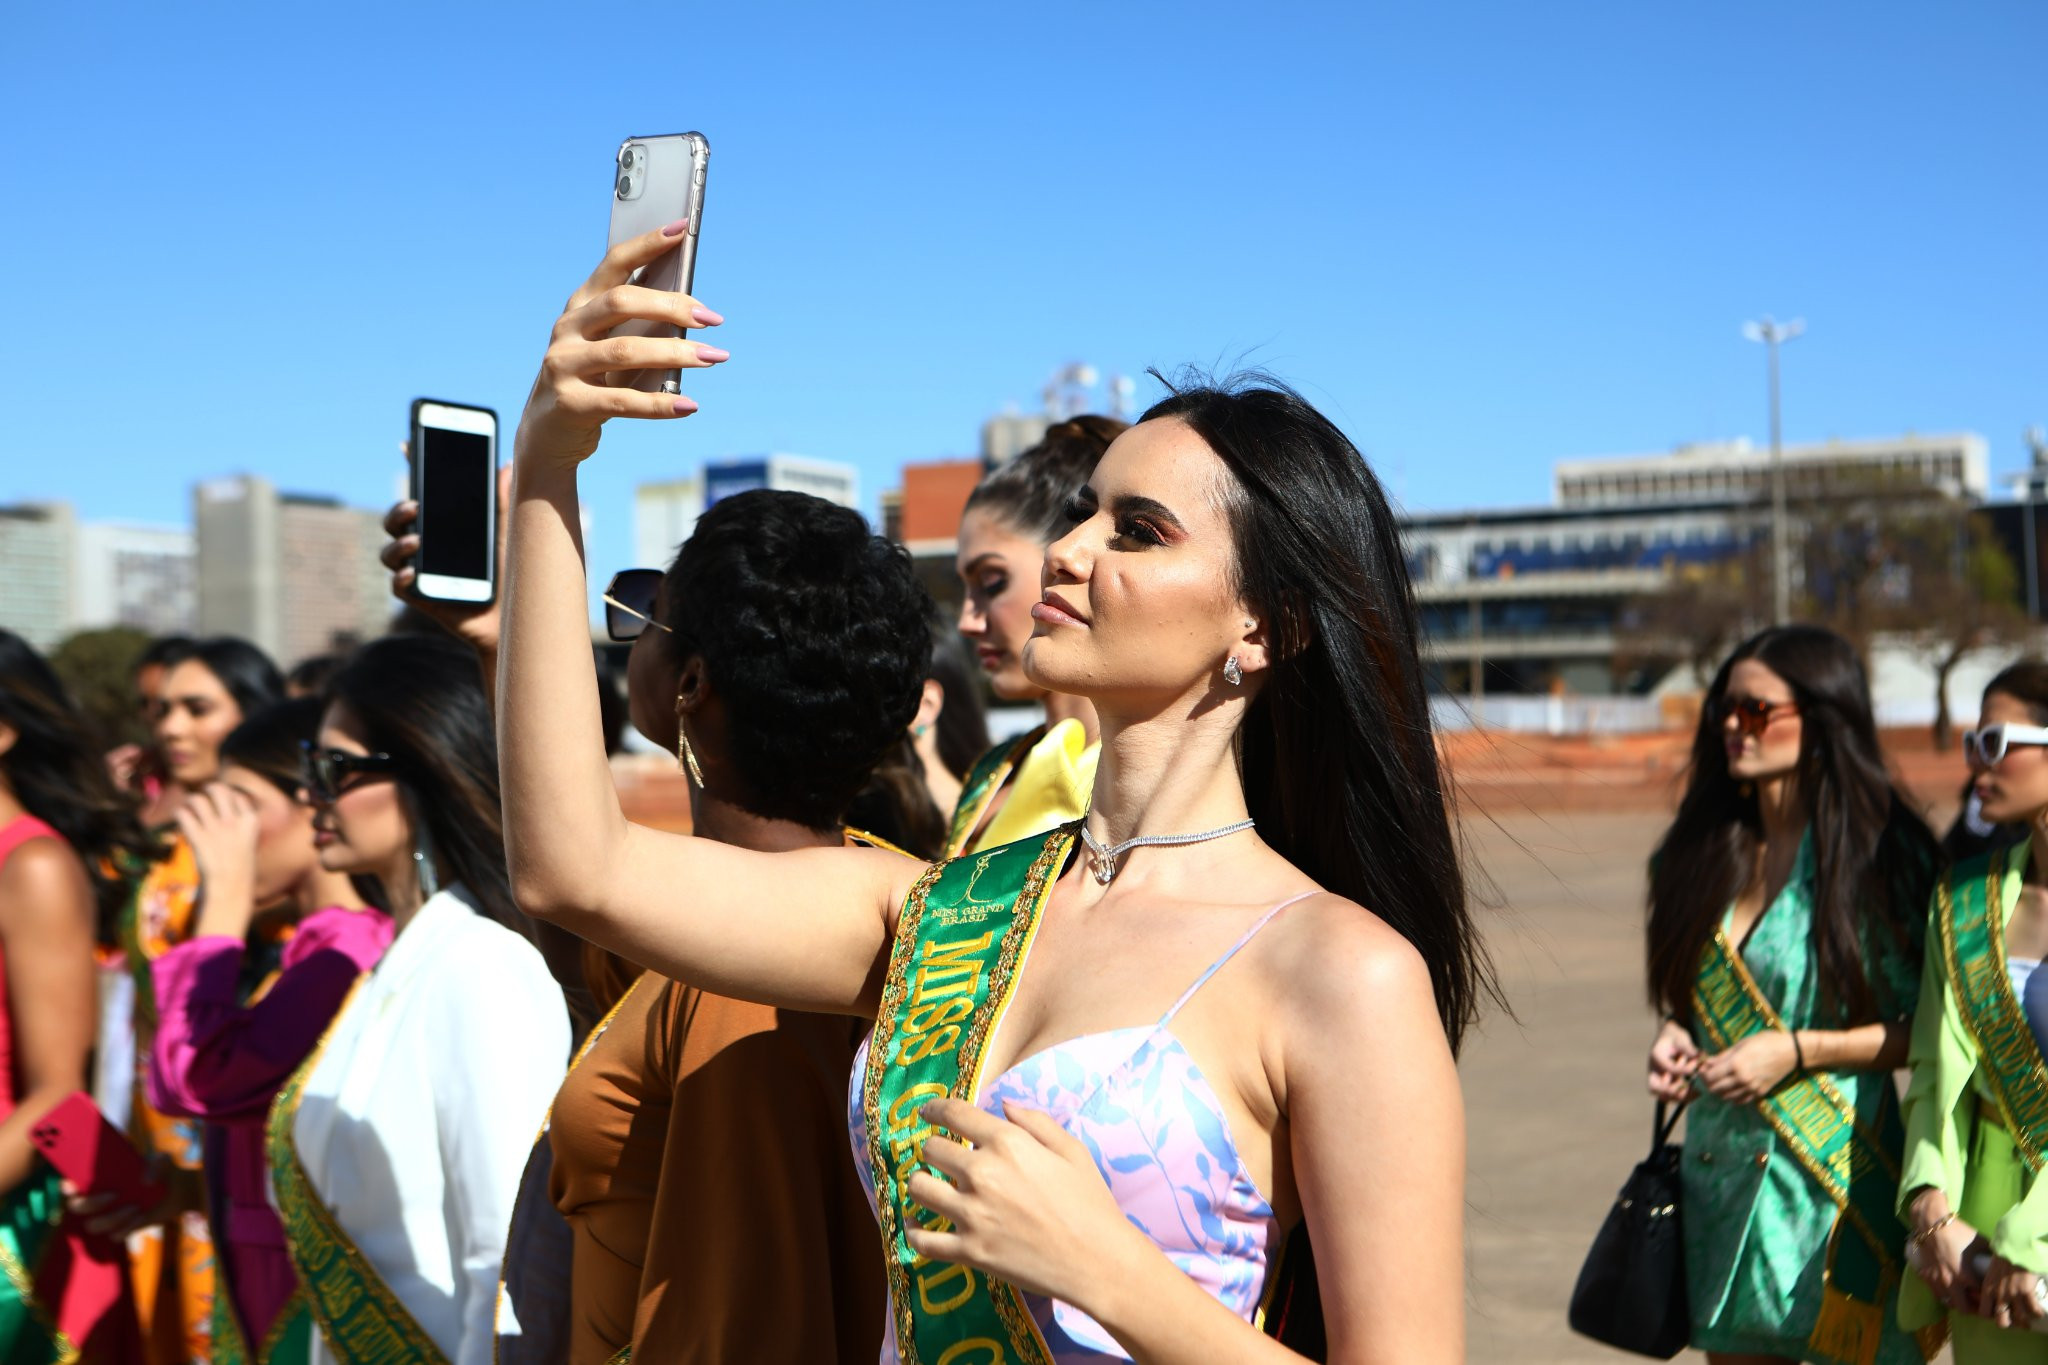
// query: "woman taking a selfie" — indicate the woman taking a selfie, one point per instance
point(1977, 1107)
point(1041, 778)
point(395, 1150)
point(1786, 918)
point(61, 822)
point(1253, 1026)
point(240, 1010)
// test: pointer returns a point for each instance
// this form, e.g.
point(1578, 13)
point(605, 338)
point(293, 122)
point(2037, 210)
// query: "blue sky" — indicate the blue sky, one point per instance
point(1483, 236)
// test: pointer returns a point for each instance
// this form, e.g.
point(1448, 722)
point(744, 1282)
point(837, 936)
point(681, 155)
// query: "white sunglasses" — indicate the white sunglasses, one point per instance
point(1987, 746)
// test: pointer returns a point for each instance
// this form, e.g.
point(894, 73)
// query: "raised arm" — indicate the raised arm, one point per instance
point(805, 930)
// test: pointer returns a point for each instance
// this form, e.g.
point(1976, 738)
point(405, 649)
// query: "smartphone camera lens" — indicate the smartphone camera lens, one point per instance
point(625, 186)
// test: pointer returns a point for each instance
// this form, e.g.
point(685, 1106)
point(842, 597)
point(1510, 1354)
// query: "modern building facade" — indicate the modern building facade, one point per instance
point(295, 574)
point(140, 576)
point(1739, 471)
point(1535, 599)
point(665, 513)
point(37, 549)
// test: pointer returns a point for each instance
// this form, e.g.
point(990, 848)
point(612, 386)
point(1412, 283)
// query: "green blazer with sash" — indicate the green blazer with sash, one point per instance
point(1965, 996)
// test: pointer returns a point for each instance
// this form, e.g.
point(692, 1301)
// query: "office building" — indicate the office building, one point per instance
point(296, 574)
point(1009, 434)
point(1739, 471)
point(38, 542)
point(139, 576)
point(665, 513)
point(1535, 599)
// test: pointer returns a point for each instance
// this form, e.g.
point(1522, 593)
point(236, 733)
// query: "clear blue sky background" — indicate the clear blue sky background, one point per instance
point(1484, 236)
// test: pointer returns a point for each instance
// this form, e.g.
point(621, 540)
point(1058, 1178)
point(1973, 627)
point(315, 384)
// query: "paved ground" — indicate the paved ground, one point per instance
point(1556, 1113)
point(1555, 1108)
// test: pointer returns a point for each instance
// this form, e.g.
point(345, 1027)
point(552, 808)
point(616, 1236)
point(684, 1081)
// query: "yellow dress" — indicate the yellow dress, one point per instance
point(1048, 784)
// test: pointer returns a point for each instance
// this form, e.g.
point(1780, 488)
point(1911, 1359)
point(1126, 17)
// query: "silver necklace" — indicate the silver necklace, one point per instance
point(1105, 855)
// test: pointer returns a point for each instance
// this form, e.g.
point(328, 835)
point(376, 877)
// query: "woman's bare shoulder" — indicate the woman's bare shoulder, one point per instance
point(1341, 971)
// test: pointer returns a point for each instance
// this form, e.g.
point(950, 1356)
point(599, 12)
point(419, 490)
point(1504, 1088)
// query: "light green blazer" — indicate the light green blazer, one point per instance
point(1941, 1103)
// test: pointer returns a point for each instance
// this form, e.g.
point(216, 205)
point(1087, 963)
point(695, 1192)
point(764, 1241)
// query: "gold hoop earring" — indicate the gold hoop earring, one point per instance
point(686, 758)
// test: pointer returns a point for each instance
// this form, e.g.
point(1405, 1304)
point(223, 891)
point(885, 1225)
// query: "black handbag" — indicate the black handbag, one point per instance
point(1631, 1291)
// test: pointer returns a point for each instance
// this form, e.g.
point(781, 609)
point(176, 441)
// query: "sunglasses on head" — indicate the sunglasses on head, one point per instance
point(330, 772)
point(1986, 746)
point(629, 604)
point(1754, 715)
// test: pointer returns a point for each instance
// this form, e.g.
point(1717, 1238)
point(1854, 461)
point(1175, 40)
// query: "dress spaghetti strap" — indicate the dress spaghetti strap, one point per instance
point(1233, 951)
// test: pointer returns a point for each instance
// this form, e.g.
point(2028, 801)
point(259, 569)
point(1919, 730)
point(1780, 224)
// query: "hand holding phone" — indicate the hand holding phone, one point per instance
point(92, 1155)
point(659, 180)
point(455, 491)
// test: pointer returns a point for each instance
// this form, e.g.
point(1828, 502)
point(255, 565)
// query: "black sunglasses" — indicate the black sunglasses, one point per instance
point(330, 772)
point(629, 604)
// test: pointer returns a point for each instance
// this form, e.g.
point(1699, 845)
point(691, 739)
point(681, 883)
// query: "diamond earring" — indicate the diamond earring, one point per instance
point(1232, 674)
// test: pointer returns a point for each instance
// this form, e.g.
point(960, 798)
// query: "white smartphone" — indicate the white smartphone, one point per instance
point(455, 483)
point(657, 181)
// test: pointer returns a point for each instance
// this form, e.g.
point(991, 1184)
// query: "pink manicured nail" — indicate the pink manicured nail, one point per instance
point(713, 354)
point(704, 317)
point(685, 406)
point(677, 228)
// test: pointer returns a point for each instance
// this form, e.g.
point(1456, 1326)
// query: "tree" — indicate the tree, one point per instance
point(1701, 614)
point(1902, 560)
point(1964, 597)
point(98, 666)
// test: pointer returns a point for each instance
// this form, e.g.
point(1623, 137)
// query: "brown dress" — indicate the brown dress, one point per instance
point(700, 1160)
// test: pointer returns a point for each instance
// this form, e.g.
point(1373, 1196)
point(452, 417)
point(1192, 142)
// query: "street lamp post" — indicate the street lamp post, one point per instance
point(1771, 334)
point(2037, 452)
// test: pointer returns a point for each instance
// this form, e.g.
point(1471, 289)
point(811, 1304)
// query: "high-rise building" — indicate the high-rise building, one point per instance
point(665, 513)
point(1739, 471)
point(140, 576)
point(1009, 434)
point(296, 574)
point(37, 544)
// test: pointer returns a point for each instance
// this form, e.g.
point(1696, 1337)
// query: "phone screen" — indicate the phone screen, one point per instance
point(455, 491)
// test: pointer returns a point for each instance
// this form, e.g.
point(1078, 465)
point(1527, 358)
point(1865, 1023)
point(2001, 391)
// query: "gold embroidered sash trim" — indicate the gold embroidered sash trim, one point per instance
point(1970, 912)
point(361, 1319)
point(984, 780)
point(964, 930)
point(1820, 1127)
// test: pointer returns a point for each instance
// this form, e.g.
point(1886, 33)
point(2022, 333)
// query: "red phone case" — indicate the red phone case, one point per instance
point(92, 1154)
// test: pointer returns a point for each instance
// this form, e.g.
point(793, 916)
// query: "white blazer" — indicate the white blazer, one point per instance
point(415, 1123)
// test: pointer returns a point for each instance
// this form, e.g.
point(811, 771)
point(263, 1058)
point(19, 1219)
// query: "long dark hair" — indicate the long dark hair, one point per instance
point(1874, 861)
point(244, 670)
point(267, 742)
point(963, 720)
point(2025, 682)
point(1032, 491)
point(1337, 752)
point(418, 698)
point(56, 772)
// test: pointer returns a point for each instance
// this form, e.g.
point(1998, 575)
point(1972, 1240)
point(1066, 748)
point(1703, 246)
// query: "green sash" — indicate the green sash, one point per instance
point(963, 931)
point(288, 1342)
point(360, 1317)
point(28, 1221)
point(984, 780)
point(1971, 912)
point(1820, 1127)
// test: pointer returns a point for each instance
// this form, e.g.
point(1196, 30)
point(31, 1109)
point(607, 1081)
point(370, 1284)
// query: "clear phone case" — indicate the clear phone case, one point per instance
point(655, 181)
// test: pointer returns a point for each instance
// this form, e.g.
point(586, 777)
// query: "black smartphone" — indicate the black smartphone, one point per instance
point(455, 483)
